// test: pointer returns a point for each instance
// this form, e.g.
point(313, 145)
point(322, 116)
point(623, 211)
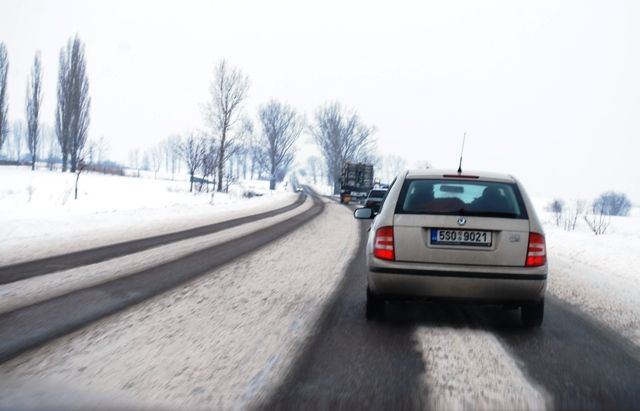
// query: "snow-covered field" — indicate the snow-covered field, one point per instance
point(39, 216)
point(600, 275)
point(32, 290)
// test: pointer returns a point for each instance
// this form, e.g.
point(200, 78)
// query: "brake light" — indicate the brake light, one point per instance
point(461, 176)
point(537, 252)
point(383, 244)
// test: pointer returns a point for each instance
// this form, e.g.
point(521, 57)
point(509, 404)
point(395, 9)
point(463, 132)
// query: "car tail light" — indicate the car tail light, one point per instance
point(383, 244)
point(537, 252)
point(461, 176)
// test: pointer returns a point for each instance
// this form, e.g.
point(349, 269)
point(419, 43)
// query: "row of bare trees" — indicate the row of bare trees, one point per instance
point(231, 146)
point(597, 216)
point(72, 115)
point(341, 136)
point(339, 132)
point(4, 104)
point(230, 140)
point(34, 102)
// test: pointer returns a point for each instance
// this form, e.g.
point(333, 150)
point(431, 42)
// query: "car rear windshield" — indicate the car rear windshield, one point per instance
point(460, 197)
point(377, 193)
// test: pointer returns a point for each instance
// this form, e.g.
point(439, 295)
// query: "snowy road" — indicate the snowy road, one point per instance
point(23, 270)
point(279, 323)
point(451, 356)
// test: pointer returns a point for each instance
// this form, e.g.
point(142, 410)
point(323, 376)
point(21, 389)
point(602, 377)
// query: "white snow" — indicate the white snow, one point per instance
point(39, 217)
point(598, 274)
point(222, 341)
point(469, 369)
point(32, 290)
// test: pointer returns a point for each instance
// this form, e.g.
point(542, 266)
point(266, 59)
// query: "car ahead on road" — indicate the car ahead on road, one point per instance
point(374, 199)
point(470, 236)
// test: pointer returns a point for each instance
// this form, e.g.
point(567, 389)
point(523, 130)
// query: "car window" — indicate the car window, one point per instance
point(456, 197)
point(377, 193)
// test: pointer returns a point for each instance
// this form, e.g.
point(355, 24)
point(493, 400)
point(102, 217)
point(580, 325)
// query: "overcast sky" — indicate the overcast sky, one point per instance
point(547, 91)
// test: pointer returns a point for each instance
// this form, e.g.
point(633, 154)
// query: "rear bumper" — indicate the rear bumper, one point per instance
point(487, 286)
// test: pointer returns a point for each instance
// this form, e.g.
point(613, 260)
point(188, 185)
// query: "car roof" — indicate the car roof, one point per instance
point(440, 173)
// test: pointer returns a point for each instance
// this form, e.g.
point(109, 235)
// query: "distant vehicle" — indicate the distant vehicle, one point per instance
point(356, 180)
point(446, 234)
point(299, 189)
point(374, 199)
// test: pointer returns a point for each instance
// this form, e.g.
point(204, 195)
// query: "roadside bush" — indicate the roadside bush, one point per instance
point(571, 214)
point(556, 207)
point(612, 204)
point(598, 220)
point(106, 168)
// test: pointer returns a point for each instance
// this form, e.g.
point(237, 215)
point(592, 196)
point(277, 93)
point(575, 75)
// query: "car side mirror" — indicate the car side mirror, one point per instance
point(363, 213)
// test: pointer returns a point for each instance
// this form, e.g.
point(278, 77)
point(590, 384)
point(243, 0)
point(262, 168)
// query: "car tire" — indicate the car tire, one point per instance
point(375, 306)
point(532, 314)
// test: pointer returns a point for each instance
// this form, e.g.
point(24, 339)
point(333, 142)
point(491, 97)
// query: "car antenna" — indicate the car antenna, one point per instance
point(464, 137)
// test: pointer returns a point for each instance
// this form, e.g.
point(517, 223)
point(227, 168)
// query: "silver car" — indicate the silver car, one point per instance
point(471, 236)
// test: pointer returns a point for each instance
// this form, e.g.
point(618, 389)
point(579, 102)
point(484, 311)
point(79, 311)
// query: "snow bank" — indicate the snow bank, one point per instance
point(39, 217)
point(598, 274)
point(33, 290)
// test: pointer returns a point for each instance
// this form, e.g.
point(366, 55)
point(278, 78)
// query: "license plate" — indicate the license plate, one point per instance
point(461, 237)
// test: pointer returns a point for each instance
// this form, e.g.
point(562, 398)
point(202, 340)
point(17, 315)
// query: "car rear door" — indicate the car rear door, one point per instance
point(475, 234)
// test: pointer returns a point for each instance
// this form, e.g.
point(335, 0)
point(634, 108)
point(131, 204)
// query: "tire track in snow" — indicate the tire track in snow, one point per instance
point(24, 270)
point(579, 363)
point(27, 292)
point(29, 327)
point(223, 341)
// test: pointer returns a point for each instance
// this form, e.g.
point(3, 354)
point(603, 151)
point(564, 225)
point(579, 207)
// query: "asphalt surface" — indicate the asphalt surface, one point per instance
point(354, 363)
point(31, 326)
point(28, 269)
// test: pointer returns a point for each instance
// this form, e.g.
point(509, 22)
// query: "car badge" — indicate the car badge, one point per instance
point(462, 221)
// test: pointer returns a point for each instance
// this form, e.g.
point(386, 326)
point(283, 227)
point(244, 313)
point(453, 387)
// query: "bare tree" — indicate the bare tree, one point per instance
point(134, 160)
point(255, 150)
point(228, 91)
point(74, 103)
point(34, 101)
point(4, 104)
point(243, 148)
point(52, 147)
point(79, 169)
point(102, 148)
point(193, 153)
point(155, 158)
point(612, 203)
point(341, 136)
point(173, 148)
point(392, 166)
point(18, 136)
point(557, 208)
point(209, 164)
point(598, 220)
point(570, 215)
point(281, 127)
point(313, 164)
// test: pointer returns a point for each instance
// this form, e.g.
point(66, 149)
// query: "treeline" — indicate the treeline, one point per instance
point(233, 147)
point(230, 147)
point(72, 115)
point(596, 215)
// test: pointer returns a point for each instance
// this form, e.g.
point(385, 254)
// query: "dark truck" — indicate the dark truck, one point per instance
point(356, 180)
